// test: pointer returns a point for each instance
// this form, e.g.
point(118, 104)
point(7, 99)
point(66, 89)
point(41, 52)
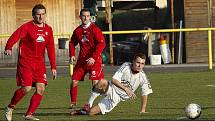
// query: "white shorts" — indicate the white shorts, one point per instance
point(110, 101)
point(112, 98)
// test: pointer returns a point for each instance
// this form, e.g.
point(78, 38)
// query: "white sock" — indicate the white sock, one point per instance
point(92, 97)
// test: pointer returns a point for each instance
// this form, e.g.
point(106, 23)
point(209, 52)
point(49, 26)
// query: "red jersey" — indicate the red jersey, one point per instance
point(91, 42)
point(33, 41)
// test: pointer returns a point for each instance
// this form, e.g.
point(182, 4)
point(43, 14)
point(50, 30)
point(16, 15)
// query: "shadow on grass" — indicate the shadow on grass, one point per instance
point(66, 114)
point(183, 108)
point(55, 108)
point(49, 114)
point(153, 120)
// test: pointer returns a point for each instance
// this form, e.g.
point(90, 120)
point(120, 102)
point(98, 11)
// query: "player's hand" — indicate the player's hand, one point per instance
point(8, 52)
point(130, 93)
point(90, 61)
point(54, 74)
point(72, 59)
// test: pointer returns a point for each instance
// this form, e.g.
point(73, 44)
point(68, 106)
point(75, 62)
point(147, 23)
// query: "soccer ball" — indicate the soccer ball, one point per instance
point(193, 111)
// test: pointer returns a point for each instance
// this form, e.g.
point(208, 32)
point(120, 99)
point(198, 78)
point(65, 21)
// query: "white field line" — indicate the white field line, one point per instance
point(181, 118)
point(210, 85)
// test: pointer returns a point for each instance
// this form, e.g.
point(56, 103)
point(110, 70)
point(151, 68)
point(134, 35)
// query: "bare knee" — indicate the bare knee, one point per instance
point(94, 82)
point(40, 91)
point(74, 83)
point(40, 88)
point(26, 88)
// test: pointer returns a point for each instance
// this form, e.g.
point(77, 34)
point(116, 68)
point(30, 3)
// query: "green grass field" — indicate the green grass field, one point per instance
point(172, 92)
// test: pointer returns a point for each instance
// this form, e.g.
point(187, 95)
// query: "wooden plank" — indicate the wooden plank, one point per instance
point(196, 5)
point(196, 15)
point(130, 0)
point(195, 1)
point(198, 12)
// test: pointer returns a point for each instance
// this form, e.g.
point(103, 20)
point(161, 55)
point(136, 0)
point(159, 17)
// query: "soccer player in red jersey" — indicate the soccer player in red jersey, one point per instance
point(34, 37)
point(91, 42)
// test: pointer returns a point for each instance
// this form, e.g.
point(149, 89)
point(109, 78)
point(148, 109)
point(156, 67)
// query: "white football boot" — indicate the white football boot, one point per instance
point(30, 117)
point(8, 113)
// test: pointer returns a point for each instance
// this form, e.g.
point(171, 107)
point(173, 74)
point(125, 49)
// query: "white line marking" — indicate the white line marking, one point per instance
point(211, 85)
point(181, 118)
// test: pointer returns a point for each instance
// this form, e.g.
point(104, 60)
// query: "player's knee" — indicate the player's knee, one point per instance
point(40, 90)
point(94, 82)
point(26, 89)
point(101, 87)
point(74, 83)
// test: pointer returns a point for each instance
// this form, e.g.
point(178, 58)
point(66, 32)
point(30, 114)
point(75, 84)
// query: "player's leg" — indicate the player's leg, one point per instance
point(73, 93)
point(96, 74)
point(39, 81)
point(86, 108)
point(98, 89)
point(101, 87)
point(78, 74)
point(23, 79)
point(107, 104)
point(18, 95)
point(93, 94)
point(35, 101)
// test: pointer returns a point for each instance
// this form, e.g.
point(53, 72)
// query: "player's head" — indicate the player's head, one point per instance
point(138, 62)
point(85, 16)
point(38, 13)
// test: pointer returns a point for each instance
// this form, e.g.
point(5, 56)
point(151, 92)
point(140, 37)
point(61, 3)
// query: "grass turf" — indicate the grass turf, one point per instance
point(171, 93)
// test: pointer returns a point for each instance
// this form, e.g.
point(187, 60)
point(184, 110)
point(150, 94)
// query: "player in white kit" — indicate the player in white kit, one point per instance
point(123, 85)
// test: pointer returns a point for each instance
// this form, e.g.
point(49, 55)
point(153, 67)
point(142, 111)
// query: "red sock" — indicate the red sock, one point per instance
point(18, 95)
point(35, 102)
point(73, 94)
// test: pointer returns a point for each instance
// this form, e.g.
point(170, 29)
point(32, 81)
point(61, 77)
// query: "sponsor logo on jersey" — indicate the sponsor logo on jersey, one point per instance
point(40, 39)
point(93, 73)
point(84, 37)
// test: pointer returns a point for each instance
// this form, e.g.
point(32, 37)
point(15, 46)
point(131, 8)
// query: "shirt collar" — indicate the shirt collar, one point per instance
point(87, 25)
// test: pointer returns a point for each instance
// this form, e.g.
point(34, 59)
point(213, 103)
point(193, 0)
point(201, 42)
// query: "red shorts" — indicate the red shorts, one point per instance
point(28, 73)
point(95, 72)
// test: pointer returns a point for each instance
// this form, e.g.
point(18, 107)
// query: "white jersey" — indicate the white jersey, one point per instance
point(133, 81)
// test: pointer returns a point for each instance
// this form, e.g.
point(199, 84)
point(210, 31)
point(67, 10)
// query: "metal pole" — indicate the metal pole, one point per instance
point(180, 45)
point(210, 56)
point(210, 65)
point(109, 19)
point(173, 26)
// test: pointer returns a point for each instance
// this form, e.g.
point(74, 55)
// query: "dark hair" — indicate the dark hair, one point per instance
point(141, 55)
point(84, 10)
point(36, 7)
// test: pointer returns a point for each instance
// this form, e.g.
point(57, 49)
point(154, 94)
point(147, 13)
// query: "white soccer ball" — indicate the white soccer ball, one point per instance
point(193, 111)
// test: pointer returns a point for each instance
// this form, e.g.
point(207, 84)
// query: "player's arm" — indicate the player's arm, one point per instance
point(72, 44)
point(146, 90)
point(143, 103)
point(51, 54)
point(51, 50)
point(100, 44)
point(128, 91)
point(18, 34)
